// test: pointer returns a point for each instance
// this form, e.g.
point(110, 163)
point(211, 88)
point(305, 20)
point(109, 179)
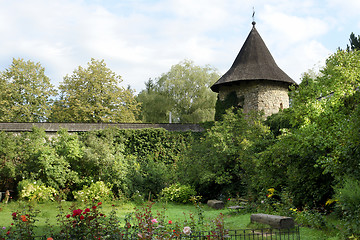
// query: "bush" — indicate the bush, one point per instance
point(98, 191)
point(178, 193)
point(31, 191)
point(310, 218)
point(348, 197)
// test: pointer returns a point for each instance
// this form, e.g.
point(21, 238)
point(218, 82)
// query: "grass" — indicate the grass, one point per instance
point(48, 216)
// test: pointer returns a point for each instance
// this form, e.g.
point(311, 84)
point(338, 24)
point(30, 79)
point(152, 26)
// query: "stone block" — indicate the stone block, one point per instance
point(217, 204)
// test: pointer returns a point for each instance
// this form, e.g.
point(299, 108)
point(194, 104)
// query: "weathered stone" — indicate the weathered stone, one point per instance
point(84, 127)
point(217, 204)
point(259, 95)
point(274, 221)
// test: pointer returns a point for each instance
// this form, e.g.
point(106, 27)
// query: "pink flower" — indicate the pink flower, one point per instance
point(154, 220)
point(187, 230)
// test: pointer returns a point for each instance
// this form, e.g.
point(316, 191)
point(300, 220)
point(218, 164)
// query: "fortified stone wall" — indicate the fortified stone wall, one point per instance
point(52, 128)
point(267, 96)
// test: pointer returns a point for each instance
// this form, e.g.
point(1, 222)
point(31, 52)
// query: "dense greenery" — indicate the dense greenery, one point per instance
point(93, 94)
point(303, 161)
point(184, 91)
point(140, 162)
point(25, 93)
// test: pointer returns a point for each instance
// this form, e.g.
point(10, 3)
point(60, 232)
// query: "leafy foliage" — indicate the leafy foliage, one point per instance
point(223, 156)
point(231, 101)
point(184, 91)
point(348, 196)
point(178, 193)
point(31, 191)
point(354, 42)
point(93, 94)
point(98, 191)
point(25, 93)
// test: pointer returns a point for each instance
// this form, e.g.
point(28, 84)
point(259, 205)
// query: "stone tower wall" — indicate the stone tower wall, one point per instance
point(267, 96)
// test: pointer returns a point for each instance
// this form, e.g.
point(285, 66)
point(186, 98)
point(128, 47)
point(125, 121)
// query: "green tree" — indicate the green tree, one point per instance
point(354, 42)
point(41, 162)
point(155, 105)
point(93, 94)
point(320, 146)
point(25, 93)
point(184, 91)
point(222, 162)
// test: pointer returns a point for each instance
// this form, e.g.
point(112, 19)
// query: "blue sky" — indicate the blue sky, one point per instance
point(141, 39)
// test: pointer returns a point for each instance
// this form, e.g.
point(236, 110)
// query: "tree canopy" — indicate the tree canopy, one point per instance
point(25, 93)
point(354, 42)
point(184, 91)
point(93, 94)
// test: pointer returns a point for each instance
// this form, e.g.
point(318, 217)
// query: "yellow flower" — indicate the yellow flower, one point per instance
point(271, 192)
point(330, 201)
point(293, 209)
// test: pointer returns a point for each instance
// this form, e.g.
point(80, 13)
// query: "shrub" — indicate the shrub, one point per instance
point(23, 225)
point(88, 223)
point(178, 193)
point(32, 191)
point(348, 197)
point(98, 191)
point(310, 218)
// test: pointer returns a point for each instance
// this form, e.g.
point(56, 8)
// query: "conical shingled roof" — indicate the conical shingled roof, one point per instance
point(254, 62)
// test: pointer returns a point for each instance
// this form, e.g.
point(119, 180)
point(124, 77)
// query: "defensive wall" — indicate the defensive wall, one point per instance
point(52, 128)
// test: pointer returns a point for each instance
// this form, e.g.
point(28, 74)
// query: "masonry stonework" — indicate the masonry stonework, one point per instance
point(260, 95)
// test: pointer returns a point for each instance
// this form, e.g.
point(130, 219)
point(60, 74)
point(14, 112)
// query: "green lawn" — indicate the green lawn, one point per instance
point(49, 211)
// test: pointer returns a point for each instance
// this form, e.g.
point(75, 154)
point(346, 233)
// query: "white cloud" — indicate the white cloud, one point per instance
point(142, 39)
point(292, 29)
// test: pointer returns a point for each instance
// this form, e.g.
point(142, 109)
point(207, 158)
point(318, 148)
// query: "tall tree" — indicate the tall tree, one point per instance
point(93, 94)
point(354, 42)
point(155, 105)
point(25, 93)
point(184, 91)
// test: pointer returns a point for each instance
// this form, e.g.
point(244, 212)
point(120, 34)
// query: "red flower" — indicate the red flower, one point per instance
point(94, 207)
point(82, 217)
point(170, 222)
point(8, 232)
point(87, 210)
point(23, 218)
point(77, 212)
point(68, 216)
point(99, 203)
point(228, 199)
point(14, 214)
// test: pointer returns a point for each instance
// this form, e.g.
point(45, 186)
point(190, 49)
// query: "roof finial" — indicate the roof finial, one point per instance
point(253, 17)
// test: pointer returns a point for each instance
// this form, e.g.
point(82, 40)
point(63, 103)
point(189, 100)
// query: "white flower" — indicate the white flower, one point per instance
point(187, 230)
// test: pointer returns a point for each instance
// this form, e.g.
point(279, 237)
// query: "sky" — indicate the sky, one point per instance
point(142, 39)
